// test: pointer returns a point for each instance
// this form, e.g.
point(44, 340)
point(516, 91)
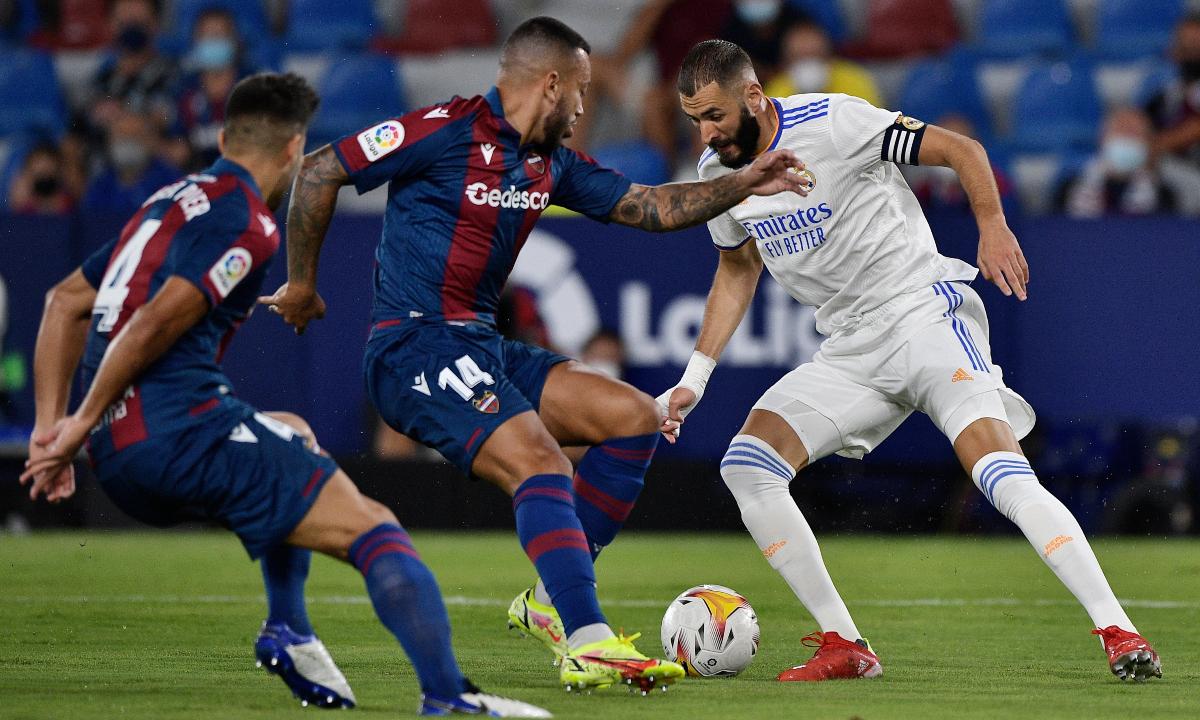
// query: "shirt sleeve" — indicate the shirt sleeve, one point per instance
point(866, 135)
point(96, 264)
point(218, 250)
point(727, 233)
point(403, 146)
point(585, 186)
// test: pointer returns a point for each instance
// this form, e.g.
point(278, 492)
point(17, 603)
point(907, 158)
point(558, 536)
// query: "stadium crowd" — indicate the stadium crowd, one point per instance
point(1088, 107)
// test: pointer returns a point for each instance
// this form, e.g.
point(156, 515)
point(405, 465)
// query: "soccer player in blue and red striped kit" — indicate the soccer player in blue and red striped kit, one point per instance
point(151, 313)
point(467, 180)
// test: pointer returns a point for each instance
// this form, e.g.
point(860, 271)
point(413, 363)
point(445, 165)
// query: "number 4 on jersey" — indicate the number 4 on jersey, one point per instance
point(470, 374)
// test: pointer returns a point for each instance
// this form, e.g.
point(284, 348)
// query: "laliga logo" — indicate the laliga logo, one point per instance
point(388, 136)
point(479, 194)
point(658, 323)
point(235, 266)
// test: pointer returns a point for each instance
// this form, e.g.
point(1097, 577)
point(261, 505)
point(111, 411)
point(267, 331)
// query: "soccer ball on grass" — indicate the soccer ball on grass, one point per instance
point(711, 631)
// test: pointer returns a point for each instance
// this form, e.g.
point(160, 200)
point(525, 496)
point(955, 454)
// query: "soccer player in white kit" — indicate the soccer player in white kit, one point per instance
point(904, 331)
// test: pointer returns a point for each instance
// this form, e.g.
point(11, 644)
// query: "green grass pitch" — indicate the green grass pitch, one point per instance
point(150, 625)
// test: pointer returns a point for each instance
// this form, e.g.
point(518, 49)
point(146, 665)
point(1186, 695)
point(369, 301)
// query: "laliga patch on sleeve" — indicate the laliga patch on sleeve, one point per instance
point(381, 139)
point(230, 270)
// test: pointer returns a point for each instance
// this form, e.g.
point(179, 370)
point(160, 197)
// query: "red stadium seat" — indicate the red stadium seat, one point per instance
point(902, 28)
point(82, 24)
point(433, 26)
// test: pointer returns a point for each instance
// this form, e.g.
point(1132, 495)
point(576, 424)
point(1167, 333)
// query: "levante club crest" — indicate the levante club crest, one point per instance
point(487, 403)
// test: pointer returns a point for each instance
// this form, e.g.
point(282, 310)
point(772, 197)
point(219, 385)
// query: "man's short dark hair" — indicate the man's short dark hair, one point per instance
point(542, 35)
point(718, 61)
point(268, 109)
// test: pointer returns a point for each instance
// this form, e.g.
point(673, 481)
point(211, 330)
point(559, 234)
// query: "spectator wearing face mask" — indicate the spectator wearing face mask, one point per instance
point(215, 64)
point(39, 188)
point(136, 77)
point(1121, 179)
point(809, 66)
point(133, 170)
point(605, 353)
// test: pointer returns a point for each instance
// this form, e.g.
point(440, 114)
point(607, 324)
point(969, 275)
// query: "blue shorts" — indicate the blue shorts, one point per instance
point(259, 480)
point(451, 385)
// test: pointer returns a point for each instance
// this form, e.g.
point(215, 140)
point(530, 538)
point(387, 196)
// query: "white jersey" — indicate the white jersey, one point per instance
point(859, 238)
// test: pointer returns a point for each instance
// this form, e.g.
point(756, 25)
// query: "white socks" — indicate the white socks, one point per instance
point(758, 478)
point(1011, 485)
point(589, 634)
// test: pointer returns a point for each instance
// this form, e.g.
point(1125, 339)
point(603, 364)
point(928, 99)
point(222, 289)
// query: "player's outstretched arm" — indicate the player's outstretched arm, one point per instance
point(313, 200)
point(1000, 258)
point(60, 342)
point(662, 208)
point(150, 332)
point(728, 299)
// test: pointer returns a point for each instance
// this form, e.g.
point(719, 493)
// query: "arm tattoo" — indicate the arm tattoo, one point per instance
point(661, 208)
point(314, 197)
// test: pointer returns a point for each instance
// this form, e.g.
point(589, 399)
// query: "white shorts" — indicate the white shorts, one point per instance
point(927, 350)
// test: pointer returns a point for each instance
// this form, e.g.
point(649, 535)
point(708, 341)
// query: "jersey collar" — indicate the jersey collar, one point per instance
point(778, 124)
point(224, 166)
point(497, 108)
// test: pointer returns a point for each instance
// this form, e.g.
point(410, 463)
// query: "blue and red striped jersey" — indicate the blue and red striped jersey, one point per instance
point(463, 195)
point(213, 230)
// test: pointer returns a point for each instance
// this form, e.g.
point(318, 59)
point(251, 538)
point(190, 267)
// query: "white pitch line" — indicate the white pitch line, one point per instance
point(467, 601)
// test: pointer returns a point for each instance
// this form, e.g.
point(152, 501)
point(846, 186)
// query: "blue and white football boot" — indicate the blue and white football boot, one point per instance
point(304, 665)
point(476, 702)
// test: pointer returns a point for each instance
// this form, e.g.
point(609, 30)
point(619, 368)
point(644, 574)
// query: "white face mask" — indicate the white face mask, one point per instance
point(606, 367)
point(809, 75)
point(1124, 154)
point(758, 12)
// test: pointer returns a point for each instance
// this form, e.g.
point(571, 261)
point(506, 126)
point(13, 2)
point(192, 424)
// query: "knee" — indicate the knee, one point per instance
point(542, 458)
point(750, 472)
point(643, 413)
point(632, 412)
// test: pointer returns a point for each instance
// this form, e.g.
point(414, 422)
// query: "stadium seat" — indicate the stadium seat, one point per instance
point(29, 94)
point(936, 88)
point(355, 92)
point(640, 161)
point(1056, 108)
point(903, 28)
point(323, 25)
point(828, 14)
point(1012, 28)
point(83, 24)
point(1136, 28)
point(432, 26)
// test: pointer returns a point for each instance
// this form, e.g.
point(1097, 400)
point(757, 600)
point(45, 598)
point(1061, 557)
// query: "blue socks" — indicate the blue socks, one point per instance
point(285, 569)
point(607, 484)
point(552, 537)
point(408, 602)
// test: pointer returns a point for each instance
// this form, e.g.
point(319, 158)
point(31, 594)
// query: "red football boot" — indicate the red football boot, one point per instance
point(1129, 655)
point(836, 659)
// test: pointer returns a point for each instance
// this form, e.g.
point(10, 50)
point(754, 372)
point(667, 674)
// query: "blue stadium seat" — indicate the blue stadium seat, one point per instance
point(315, 25)
point(1136, 28)
point(640, 161)
point(936, 88)
point(1013, 28)
point(29, 94)
point(356, 92)
point(828, 14)
point(1056, 108)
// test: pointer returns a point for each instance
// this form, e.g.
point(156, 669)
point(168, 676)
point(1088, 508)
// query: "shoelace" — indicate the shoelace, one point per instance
point(814, 640)
point(628, 640)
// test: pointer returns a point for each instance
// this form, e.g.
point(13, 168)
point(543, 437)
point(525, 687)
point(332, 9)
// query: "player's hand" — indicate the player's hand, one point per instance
point(1001, 260)
point(297, 305)
point(775, 172)
point(51, 463)
point(673, 407)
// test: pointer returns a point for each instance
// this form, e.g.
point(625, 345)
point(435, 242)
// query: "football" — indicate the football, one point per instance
point(711, 630)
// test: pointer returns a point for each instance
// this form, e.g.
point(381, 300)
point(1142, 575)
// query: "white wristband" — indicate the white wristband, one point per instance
point(699, 368)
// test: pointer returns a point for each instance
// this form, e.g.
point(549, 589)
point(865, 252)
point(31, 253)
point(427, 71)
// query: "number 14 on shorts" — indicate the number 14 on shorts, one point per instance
point(463, 382)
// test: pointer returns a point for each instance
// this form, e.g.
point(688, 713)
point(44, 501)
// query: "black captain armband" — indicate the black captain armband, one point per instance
point(902, 140)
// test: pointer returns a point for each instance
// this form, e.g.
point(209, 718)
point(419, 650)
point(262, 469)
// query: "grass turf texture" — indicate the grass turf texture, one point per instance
point(149, 625)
